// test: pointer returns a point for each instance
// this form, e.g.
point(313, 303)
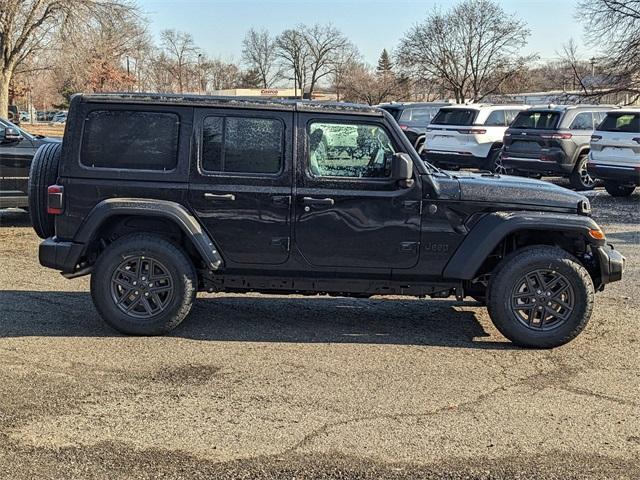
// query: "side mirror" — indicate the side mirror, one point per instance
point(402, 169)
point(11, 135)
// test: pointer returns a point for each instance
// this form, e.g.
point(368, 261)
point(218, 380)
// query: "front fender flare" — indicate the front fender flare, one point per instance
point(152, 208)
point(485, 236)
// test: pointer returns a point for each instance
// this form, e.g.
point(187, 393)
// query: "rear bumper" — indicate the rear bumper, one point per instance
point(617, 173)
point(448, 159)
point(611, 264)
point(63, 256)
point(527, 164)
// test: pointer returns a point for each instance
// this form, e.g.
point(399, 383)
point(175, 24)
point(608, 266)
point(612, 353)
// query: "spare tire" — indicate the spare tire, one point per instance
point(44, 172)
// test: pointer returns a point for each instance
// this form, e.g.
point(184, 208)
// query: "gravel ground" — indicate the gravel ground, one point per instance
point(310, 387)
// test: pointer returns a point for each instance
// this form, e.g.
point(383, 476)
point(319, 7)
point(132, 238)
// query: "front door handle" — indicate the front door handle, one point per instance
point(220, 196)
point(317, 201)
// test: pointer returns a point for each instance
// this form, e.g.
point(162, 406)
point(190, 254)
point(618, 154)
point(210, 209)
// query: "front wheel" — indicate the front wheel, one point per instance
point(580, 178)
point(616, 189)
point(143, 285)
point(540, 297)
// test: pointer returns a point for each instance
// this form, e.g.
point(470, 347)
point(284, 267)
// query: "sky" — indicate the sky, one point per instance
point(218, 26)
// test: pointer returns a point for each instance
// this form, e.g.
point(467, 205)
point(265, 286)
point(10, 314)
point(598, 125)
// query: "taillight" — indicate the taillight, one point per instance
point(404, 127)
point(55, 204)
point(557, 136)
point(595, 138)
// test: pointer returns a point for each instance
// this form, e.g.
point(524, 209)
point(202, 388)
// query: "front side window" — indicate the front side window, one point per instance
point(242, 145)
point(129, 139)
point(583, 121)
point(349, 150)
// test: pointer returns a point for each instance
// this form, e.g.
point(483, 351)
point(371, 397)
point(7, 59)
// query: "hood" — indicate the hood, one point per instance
point(479, 187)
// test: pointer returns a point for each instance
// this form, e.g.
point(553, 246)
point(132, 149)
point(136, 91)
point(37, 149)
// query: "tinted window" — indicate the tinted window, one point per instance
point(455, 116)
point(421, 115)
point(349, 150)
point(510, 115)
point(131, 140)
point(583, 121)
point(621, 122)
point(395, 112)
point(495, 119)
point(539, 120)
point(242, 145)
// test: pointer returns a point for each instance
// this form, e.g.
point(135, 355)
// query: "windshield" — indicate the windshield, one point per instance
point(455, 116)
point(621, 122)
point(537, 120)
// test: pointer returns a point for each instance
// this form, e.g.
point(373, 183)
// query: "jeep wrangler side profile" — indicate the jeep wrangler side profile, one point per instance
point(161, 196)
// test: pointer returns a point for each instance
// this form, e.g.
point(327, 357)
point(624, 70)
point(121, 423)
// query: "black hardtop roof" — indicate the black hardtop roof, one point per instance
point(231, 102)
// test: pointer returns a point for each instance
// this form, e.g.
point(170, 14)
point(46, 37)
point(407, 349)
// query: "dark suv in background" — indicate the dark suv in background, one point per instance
point(553, 140)
point(413, 118)
point(17, 148)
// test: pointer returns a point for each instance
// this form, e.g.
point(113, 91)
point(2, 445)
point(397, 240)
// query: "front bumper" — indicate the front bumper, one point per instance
point(611, 264)
point(59, 255)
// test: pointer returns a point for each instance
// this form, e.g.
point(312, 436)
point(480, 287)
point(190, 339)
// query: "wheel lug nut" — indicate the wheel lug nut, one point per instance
point(135, 283)
point(146, 294)
point(136, 292)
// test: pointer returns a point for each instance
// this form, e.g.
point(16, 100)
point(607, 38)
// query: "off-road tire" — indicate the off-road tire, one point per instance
point(580, 179)
point(504, 280)
point(178, 266)
point(616, 189)
point(43, 173)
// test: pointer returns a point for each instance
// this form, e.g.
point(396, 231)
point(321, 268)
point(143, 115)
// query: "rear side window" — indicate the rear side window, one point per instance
point(421, 115)
point(242, 145)
point(455, 116)
point(583, 121)
point(621, 122)
point(129, 139)
point(495, 119)
point(536, 120)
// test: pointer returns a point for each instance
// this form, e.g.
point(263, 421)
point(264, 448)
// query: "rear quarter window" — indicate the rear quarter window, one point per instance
point(130, 139)
point(583, 121)
point(455, 116)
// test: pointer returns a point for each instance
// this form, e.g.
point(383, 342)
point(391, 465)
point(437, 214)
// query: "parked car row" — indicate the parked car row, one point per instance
point(580, 142)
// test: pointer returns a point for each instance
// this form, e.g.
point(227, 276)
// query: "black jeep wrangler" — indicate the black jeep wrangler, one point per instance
point(162, 196)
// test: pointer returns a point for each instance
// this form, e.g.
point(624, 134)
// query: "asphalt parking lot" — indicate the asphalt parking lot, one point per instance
point(313, 387)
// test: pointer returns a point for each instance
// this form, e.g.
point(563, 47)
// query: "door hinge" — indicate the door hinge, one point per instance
point(282, 242)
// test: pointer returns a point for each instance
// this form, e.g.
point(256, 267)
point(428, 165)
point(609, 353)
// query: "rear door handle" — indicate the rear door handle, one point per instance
point(220, 196)
point(317, 201)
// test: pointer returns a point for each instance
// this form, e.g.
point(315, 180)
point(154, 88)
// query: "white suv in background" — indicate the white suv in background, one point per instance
point(468, 135)
point(614, 154)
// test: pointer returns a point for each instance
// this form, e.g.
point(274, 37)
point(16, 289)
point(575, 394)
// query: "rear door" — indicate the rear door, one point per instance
point(241, 185)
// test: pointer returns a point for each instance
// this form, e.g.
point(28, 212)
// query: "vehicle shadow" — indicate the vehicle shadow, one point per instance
point(259, 318)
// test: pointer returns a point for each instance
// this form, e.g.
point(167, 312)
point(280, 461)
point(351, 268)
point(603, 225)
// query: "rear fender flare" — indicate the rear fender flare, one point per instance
point(485, 236)
point(172, 211)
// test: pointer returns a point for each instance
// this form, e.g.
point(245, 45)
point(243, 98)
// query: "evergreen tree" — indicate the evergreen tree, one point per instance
point(384, 63)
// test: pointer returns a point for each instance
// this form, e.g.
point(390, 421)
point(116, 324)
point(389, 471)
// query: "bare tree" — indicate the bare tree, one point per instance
point(259, 54)
point(219, 75)
point(326, 46)
point(613, 26)
point(472, 48)
point(179, 47)
point(293, 53)
point(28, 26)
point(363, 84)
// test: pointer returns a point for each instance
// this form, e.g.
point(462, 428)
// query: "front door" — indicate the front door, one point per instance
point(242, 184)
point(349, 212)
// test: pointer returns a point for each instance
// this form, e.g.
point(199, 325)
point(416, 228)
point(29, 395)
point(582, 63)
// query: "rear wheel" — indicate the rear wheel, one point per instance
point(540, 297)
point(143, 285)
point(43, 173)
point(580, 178)
point(616, 189)
point(495, 165)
